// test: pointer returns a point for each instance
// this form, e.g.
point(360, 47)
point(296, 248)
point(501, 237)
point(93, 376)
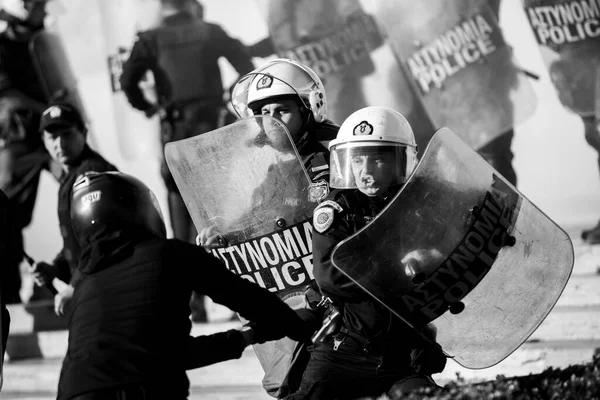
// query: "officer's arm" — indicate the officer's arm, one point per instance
point(134, 69)
point(211, 349)
point(235, 52)
point(208, 275)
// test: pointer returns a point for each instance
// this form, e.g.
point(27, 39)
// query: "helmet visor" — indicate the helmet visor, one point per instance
point(370, 165)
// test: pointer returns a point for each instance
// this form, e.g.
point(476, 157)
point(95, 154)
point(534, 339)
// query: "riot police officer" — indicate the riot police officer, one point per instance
point(370, 350)
point(293, 94)
point(129, 328)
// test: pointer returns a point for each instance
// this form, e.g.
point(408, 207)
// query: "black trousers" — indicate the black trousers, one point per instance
point(124, 393)
point(354, 371)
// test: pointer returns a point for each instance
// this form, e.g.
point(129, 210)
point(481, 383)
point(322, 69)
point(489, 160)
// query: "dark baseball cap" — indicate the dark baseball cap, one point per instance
point(60, 115)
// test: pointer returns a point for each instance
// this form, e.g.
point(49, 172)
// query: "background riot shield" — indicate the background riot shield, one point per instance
point(54, 69)
point(246, 182)
point(568, 32)
point(461, 247)
point(459, 63)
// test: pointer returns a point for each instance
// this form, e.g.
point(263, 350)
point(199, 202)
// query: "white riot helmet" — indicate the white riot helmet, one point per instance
point(372, 131)
point(281, 77)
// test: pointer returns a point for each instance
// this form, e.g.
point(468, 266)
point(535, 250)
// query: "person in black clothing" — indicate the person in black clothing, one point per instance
point(6, 243)
point(370, 351)
point(64, 135)
point(22, 154)
point(183, 55)
point(129, 325)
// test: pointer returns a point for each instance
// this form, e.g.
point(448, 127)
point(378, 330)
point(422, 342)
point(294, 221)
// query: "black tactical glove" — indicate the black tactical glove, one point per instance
point(428, 359)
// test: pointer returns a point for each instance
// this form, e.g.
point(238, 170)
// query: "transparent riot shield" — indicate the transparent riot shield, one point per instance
point(246, 182)
point(54, 69)
point(458, 62)
point(461, 248)
point(568, 31)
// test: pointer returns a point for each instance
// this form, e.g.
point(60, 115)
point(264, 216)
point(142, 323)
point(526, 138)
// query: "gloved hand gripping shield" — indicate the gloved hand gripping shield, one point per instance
point(461, 248)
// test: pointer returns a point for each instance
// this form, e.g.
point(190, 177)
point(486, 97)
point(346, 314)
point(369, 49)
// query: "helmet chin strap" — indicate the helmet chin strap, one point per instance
point(308, 124)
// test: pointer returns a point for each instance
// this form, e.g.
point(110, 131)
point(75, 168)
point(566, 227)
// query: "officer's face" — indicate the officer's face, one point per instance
point(288, 112)
point(373, 173)
point(65, 143)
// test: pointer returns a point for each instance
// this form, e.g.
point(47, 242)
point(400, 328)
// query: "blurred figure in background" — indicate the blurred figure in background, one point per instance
point(22, 154)
point(183, 55)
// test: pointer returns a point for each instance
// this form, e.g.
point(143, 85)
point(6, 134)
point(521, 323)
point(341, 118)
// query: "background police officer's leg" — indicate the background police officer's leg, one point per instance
point(499, 155)
point(592, 136)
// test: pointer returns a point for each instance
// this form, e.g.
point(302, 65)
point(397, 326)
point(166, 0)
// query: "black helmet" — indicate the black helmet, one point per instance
point(115, 200)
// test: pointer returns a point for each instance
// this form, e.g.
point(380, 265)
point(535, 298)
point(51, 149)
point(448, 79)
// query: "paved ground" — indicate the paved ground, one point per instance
point(569, 335)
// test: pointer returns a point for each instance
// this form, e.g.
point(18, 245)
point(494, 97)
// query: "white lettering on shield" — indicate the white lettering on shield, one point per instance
point(454, 50)
point(339, 50)
point(565, 23)
point(278, 262)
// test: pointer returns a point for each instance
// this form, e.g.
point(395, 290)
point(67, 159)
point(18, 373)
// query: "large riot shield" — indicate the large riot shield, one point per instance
point(246, 182)
point(459, 63)
point(4, 254)
point(54, 69)
point(461, 248)
point(568, 31)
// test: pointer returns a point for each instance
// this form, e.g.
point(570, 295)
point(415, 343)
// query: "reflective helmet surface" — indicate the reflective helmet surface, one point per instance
point(278, 78)
point(374, 131)
point(113, 199)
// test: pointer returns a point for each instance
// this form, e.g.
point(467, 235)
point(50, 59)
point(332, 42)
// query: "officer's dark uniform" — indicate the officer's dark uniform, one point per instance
point(68, 259)
point(6, 236)
point(22, 153)
point(183, 56)
point(129, 325)
point(372, 345)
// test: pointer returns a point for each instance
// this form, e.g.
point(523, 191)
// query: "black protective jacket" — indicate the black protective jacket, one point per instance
point(129, 320)
point(67, 260)
point(6, 236)
point(183, 56)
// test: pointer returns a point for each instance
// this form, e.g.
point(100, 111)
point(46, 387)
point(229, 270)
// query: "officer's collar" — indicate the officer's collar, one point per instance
point(177, 17)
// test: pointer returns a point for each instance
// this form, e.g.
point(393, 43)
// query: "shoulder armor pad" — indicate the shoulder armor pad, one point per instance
point(324, 215)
